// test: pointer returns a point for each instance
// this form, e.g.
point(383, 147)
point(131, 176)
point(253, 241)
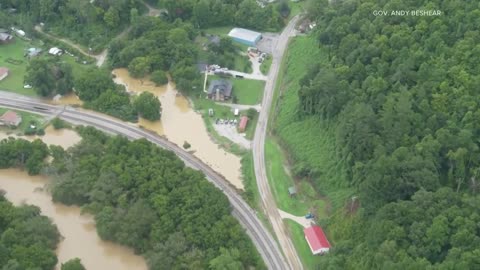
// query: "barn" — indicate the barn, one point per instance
point(245, 36)
point(316, 239)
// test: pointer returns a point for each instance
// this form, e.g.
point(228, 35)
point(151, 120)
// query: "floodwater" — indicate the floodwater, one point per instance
point(180, 123)
point(68, 99)
point(80, 238)
point(62, 137)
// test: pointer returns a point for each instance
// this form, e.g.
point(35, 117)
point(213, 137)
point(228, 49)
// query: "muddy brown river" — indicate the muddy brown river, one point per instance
point(180, 123)
point(79, 236)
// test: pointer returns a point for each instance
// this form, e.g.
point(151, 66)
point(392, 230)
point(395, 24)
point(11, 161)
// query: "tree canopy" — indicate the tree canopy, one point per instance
point(27, 239)
point(146, 198)
point(401, 95)
point(148, 106)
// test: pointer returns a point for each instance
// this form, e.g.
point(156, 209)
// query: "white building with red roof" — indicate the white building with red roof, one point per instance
point(316, 239)
point(10, 118)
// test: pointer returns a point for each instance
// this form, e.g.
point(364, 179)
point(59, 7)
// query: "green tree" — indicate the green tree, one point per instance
point(227, 260)
point(159, 77)
point(91, 84)
point(111, 17)
point(148, 106)
point(39, 74)
point(139, 67)
point(73, 264)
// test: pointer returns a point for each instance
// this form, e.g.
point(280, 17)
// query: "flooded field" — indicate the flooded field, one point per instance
point(180, 123)
point(62, 137)
point(68, 99)
point(80, 238)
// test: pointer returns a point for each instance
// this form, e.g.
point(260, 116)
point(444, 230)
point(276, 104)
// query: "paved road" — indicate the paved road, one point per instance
point(260, 236)
point(258, 147)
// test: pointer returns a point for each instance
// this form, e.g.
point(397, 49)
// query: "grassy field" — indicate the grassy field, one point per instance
point(301, 245)
point(308, 141)
point(248, 92)
point(265, 66)
point(15, 50)
point(14, 81)
point(27, 118)
point(242, 64)
point(306, 200)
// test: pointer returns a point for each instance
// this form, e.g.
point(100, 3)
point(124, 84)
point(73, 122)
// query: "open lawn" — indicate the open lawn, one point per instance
point(15, 51)
point(221, 31)
point(309, 260)
point(306, 200)
point(27, 118)
point(11, 56)
point(248, 92)
point(265, 66)
point(242, 63)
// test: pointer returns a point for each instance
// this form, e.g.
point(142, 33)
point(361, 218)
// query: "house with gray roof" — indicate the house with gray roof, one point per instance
point(220, 90)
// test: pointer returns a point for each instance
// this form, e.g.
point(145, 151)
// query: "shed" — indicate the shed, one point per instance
point(5, 38)
point(316, 239)
point(292, 191)
point(55, 51)
point(245, 36)
point(4, 72)
point(220, 90)
point(243, 124)
point(32, 52)
point(10, 118)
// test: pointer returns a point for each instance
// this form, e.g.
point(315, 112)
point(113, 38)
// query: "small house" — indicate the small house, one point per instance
point(243, 124)
point(10, 118)
point(55, 51)
point(4, 72)
point(5, 38)
point(316, 239)
point(220, 90)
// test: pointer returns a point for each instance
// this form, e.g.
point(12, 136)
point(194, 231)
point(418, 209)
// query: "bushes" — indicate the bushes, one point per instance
point(148, 106)
point(159, 77)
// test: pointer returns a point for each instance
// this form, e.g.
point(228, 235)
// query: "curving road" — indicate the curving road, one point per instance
point(260, 236)
point(258, 148)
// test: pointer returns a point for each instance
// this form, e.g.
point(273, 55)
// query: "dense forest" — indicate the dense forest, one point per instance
point(145, 198)
point(214, 13)
point(399, 96)
point(27, 239)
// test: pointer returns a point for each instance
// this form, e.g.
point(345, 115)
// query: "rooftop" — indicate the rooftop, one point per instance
point(222, 85)
point(316, 239)
point(3, 70)
point(10, 117)
point(244, 34)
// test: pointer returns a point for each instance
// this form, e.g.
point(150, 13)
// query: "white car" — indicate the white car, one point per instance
point(27, 86)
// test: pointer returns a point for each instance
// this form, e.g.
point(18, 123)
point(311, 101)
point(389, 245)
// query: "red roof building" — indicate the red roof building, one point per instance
point(10, 118)
point(4, 72)
point(316, 239)
point(243, 124)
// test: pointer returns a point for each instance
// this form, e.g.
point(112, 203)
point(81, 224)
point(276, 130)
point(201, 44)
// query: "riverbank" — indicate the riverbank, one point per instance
point(79, 237)
point(180, 123)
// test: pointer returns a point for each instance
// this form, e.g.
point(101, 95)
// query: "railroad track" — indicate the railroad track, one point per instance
point(262, 239)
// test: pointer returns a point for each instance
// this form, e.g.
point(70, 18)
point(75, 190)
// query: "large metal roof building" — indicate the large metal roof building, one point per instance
point(245, 36)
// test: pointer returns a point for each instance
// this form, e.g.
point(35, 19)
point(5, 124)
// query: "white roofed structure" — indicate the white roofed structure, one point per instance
point(245, 36)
